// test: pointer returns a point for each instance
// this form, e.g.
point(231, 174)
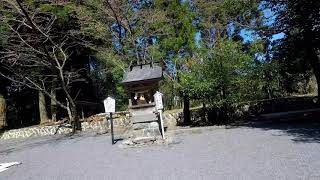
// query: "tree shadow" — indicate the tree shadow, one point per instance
point(306, 130)
point(21, 144)
point(14, 145)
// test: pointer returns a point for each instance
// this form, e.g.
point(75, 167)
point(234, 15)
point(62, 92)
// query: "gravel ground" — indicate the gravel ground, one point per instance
point(261, 152)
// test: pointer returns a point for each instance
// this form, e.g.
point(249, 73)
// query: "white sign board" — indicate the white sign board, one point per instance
point(159, 106)
point(109, 105)
point(158, 100)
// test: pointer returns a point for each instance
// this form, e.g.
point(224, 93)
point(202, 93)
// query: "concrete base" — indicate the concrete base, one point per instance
point(143, 115)
point(142, 133)
point(144, 130)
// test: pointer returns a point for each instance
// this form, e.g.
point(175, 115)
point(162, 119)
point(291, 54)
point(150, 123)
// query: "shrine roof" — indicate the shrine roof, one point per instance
point(142, 73)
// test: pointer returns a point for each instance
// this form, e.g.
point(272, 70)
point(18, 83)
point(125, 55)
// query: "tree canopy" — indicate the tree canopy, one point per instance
point(77, 51)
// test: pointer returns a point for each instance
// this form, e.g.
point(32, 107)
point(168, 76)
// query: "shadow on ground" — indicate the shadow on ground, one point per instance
point(302, 130)
point(13, 145)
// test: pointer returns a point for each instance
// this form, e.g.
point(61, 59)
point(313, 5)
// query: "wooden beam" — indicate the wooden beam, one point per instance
point(143, 87)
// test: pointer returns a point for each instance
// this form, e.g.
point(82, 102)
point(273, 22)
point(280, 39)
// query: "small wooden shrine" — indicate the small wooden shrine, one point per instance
point(142, 82)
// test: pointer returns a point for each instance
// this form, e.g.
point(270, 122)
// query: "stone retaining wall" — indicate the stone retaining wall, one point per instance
point(171, 119)
point(100, 125)
point(35, 131)
point(247, 111)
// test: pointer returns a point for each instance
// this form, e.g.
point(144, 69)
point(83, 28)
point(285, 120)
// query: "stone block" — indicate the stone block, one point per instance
point(143, 140)
point(151, 132)
point(154, 125)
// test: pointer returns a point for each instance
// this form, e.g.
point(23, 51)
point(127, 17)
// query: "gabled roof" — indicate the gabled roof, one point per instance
point(142, 73)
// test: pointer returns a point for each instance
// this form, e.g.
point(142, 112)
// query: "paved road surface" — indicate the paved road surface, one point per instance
point(248, 152)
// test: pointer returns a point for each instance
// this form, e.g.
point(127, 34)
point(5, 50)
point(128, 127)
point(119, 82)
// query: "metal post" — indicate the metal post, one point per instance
point(161, 122)
point(112, 135)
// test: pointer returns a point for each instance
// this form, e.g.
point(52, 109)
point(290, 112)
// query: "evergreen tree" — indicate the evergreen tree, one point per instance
point(299, 50)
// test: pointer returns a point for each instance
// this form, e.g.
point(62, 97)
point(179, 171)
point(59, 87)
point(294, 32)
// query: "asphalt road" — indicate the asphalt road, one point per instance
point(261, 152)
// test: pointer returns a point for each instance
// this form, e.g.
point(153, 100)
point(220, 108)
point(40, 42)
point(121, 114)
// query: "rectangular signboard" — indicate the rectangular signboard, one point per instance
point(158, 100)
point(109, 105)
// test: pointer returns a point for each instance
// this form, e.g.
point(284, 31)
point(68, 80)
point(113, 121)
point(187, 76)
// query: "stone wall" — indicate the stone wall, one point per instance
point(255, 109)
point(171, 119)
point(247, 111)
point(34, 131)
point(119, 119)
point(100, 124)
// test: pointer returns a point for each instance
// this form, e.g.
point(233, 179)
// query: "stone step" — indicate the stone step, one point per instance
point(143, 115)
point(142, 134)
point(144, 118)
point(138, 126)
point(144, 130)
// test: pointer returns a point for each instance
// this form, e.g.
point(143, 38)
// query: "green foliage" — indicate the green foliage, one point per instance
point(267, 81)
point(62, 12)
point(4, 32)
point(227, 74)
point(180, 31)
point(168, 88)
point(92, 20)
point(219, 75)
point(109, 76)
point(298, 52)
point(222, 70)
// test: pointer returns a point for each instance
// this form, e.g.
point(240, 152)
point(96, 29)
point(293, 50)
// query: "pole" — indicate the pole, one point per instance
point(112, 135)
point(161, 122)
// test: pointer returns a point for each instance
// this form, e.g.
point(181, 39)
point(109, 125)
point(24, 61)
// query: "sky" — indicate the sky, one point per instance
point(269, 18)
point(249, 36)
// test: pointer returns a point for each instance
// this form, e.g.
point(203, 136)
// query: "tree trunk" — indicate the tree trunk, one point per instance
point(73, 115)
point(74, 118)
point(76, 122)
point(186, 110)
point(71, 105)
point(314, 57)
point(317, 75)
point(3, 110)
point(53, 105)
point(269, 92)
point(42, 108)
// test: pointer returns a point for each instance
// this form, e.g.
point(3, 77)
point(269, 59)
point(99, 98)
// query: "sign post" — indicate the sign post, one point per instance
point(110, 107)
point(159, 106)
